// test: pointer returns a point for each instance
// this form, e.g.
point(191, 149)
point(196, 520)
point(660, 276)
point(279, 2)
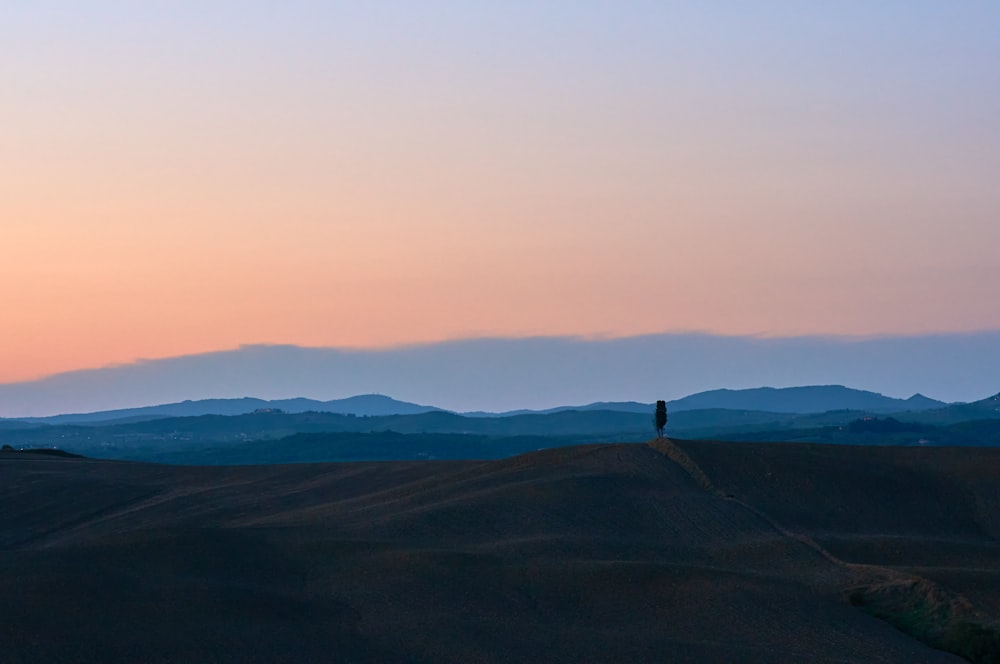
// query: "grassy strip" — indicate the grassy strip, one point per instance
point(925, 612)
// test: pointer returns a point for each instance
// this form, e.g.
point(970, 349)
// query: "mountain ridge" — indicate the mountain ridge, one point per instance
point(808, 399)
point(804, 399)
point(361, 404)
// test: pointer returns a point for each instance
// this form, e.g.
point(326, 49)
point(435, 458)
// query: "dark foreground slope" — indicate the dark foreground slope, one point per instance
point(929, 515)
point(597, 553)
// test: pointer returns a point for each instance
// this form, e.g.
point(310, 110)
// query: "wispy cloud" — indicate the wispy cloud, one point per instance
point(538, 372)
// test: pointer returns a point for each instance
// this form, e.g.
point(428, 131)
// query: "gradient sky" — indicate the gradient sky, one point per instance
point(192, 176)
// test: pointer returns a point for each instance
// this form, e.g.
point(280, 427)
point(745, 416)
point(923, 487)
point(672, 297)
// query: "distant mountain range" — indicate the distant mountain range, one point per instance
point(811, 399)
point(364, 405)
point(801, 400)
point(796, 400)
point(269, 434)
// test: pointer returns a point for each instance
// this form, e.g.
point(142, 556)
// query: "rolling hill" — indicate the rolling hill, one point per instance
point(682, 552)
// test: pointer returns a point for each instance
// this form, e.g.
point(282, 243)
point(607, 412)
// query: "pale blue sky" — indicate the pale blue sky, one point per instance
point(188, 177)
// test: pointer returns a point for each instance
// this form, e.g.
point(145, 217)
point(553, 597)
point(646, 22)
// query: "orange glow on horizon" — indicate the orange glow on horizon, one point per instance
point(269, 178)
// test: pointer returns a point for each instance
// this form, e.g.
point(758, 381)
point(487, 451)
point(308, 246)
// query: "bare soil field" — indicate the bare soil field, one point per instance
point(674, 551)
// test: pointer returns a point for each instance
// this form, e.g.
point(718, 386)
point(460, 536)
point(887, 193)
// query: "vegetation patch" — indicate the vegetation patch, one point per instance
point(928, 613)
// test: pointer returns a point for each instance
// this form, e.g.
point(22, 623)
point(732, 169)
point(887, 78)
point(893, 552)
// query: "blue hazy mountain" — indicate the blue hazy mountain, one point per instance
point(983, 409)
point(800, 400)
point(614, 406)
point(364, 405)
point(810, 399)
point(269, 436)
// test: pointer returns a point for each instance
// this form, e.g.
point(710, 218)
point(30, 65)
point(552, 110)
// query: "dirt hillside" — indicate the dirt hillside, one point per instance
point(715, 553)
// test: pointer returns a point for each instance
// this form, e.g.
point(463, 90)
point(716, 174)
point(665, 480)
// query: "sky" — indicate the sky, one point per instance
point(190, 177)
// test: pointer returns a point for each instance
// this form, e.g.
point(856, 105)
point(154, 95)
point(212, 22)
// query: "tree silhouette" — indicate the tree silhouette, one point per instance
point(661, 417)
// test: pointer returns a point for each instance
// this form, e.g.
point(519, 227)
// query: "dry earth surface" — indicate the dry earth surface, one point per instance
point(673, 551)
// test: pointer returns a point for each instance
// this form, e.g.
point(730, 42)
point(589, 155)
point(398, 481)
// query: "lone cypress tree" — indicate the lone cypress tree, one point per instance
point(661, 417)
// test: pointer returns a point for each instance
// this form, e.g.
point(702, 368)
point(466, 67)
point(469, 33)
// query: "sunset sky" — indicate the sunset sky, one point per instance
point(187, 177)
